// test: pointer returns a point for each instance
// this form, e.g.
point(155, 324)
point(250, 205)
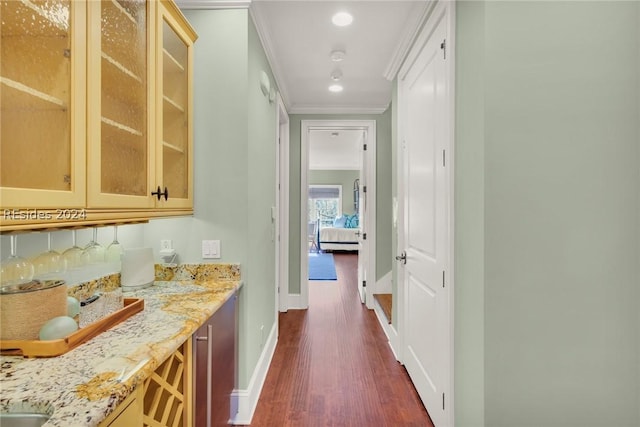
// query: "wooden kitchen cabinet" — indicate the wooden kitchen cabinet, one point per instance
point(168, 393)
point(174, 119)
point(42, 97)
point(128, 413)
point(215, 366)
point(120, 81)
point(96, 112)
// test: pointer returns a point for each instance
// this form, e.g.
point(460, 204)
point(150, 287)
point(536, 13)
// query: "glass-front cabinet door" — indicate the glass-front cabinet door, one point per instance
point(174, 156)
point(42, 116)
point(121, 155)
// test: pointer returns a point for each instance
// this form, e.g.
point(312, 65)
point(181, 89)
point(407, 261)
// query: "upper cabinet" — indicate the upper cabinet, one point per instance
point(42, 80)
point(174, 88)
point(96, 110)
point(120, 80)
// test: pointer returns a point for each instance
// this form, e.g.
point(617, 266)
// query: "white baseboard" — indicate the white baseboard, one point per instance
point(383, 286)
point(295, 302)
point(246, 400)
point(389, 330)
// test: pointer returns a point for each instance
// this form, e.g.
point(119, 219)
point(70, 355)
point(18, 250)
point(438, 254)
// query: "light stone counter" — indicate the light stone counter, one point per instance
point(80, 388)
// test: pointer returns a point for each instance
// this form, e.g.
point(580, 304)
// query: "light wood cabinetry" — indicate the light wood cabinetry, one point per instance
point(174, 119)
point(168, 392)
point(96, 111)
point(42, 78)
point(128, 413)
point(120, 79)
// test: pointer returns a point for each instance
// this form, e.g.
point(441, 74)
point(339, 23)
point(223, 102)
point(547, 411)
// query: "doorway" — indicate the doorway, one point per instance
point(365, 196)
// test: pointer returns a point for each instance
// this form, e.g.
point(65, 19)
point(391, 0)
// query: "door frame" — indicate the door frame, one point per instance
point(439, 11)
point(306, 126)
point(282, 207)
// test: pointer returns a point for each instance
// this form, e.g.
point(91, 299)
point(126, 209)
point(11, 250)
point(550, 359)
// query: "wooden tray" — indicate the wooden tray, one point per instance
point(35, 348)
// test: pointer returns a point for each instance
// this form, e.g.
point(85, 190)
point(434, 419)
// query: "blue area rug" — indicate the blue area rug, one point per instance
point(322, 267)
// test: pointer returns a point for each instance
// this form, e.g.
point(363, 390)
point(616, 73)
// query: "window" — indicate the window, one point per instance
point(325, 203)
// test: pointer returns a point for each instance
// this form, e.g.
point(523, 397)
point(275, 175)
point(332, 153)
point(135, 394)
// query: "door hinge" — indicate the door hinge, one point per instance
point(364, 283)
point(443, 278)
point(364, 236)
point(444, 158)
point(443, 46)
point(364, 188)
point(364, 148)
point(443, 401)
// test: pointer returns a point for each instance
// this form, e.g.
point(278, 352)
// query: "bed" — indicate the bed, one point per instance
point(335, 237)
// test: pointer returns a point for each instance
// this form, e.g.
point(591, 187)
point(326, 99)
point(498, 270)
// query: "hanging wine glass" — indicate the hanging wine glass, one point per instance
point(50, 262)
point(73, 255)
point(115, 249)
point(94, 252)
point(15, 270)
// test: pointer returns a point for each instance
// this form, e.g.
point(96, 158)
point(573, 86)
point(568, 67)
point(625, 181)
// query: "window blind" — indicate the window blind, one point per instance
point(324, 192)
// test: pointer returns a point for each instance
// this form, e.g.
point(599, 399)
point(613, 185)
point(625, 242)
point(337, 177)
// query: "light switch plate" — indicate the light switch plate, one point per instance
point(210, 249)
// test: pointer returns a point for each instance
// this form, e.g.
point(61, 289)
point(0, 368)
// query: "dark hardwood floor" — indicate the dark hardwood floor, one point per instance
point(333, 367)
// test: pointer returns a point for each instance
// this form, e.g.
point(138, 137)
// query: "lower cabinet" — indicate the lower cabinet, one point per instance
point(192, 388)
point(167, 392)
point(214, 350)
point(128, 413)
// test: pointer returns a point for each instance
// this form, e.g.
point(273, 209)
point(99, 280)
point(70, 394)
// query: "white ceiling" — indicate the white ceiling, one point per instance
point(298, 38)
point(335, 149)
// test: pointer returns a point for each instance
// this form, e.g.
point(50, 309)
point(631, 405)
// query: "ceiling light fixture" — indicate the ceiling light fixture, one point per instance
point(336, 75)
point(335, 88)
point(342, 19)
point(338, 55)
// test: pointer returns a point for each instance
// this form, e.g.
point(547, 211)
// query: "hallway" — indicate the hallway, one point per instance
point(333, 366)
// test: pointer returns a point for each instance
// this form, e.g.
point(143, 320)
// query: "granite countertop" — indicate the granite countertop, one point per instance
point(80, 388)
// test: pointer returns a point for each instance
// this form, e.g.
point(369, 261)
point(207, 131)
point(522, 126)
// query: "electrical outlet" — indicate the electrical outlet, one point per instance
point(166, 244)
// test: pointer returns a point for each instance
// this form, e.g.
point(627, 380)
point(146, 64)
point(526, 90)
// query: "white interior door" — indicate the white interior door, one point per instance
point(425, 226)
point(363, 247)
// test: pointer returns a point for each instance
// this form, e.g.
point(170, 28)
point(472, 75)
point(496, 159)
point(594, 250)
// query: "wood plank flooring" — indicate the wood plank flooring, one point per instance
point(333, 367)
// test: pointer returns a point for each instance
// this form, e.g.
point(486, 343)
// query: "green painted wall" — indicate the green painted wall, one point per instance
point(394, 196)
point(261, 307)
point(469, 240)
point(234, 167)
point(383, 195)
point(385, 251)
point(547, 207)
point(345, 178)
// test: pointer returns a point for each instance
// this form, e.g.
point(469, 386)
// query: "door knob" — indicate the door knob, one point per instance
point(402, 257)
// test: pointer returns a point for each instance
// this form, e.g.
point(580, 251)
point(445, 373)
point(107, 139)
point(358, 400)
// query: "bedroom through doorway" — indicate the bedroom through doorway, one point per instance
point(335, 209)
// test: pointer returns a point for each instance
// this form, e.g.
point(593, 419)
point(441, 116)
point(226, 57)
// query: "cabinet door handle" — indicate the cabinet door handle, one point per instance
point(159, 193)
point(202, 338)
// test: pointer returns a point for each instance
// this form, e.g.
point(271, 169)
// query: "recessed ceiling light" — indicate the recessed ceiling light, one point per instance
point(335, 88)
point(342, 19)
point(336, 75)
point(338, 55)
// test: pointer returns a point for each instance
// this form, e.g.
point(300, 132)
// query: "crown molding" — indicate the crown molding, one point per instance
point(213, 4)
point(412, 29)
point(260, 22)
point(337, 109)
